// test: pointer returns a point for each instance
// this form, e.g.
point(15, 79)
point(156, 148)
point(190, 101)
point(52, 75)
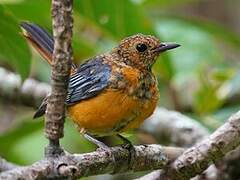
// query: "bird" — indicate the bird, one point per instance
point(110, 93)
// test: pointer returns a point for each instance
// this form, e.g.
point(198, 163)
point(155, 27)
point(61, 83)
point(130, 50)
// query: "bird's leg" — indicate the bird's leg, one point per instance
point(95, 141)
point(128, 145)
point(102, 147)
point(90, 138)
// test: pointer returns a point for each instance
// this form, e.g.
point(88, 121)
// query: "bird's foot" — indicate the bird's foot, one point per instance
point(95, 141)
point(92, 139)
point(129, 146)
point(101, 146)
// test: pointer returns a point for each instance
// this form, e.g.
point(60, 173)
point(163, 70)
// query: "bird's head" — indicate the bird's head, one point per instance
point(142, 50)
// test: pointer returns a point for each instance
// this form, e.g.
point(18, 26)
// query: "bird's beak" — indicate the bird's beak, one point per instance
point(166, 46)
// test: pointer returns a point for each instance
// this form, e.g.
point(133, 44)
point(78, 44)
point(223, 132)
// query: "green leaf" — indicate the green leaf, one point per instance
point(163, 3)
point(15, 144)
point(206, 100)
point(41, 15)
point(13, 48)
point(73, 141)
point(199, 52)
point(118, 18)
point(217, 31)
point(33, 11)
point(10, 1)
point(82, 49)
point(164, 68)
point(26, 142)
point(196, 45)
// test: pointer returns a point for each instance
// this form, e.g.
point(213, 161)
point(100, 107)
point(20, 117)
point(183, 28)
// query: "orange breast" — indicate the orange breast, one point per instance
point(111, 112)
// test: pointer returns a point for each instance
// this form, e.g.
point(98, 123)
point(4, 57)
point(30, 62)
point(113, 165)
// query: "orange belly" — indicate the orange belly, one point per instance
point(111, 112)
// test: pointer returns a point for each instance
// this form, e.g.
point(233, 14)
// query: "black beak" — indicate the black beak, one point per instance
point(166, 46)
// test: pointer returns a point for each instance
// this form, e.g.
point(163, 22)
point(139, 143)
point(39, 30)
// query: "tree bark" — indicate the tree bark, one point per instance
point(148, 157)
point(61, 66)
point(197, 158)
point(5, 165)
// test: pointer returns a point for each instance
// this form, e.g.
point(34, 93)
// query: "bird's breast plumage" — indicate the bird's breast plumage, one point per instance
point(130, 97)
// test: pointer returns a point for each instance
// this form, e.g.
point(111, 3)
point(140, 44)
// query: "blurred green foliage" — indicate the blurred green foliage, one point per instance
point(11, 41)
point(201, 74)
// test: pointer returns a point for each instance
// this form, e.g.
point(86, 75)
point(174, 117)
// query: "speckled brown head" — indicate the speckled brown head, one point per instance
point(142, 50)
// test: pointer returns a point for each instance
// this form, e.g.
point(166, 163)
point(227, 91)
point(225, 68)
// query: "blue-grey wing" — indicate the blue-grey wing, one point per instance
point(91, 78)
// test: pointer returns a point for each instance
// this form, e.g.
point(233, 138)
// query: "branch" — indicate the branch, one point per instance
point(230, 168)
point(210, 174)
point(151, 176)
point(197, 158)
point(171, 127)
point(61, 66)
point(5, 165)
point(29, 93)
point(148, 157)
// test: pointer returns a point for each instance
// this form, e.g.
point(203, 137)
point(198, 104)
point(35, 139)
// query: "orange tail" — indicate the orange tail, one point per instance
point(41, 40)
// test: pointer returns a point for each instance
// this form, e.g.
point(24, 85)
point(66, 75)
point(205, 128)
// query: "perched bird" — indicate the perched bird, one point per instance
point(110, 93)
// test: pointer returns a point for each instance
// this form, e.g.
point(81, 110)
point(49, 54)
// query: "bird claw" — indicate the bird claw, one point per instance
point(101, 147)
point(128, 145)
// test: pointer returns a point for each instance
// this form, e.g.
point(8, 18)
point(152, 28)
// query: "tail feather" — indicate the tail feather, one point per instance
point(43, 42)
point(40, 39)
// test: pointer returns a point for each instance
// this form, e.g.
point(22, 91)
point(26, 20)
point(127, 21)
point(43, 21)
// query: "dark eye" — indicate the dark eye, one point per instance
point(141, 47)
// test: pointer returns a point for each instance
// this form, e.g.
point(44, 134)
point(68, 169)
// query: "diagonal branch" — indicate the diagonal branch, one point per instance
point(197, 158)
point(148, 157)
point(174, 128)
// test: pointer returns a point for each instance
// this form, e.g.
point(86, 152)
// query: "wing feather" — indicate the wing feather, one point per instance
point(91, 78)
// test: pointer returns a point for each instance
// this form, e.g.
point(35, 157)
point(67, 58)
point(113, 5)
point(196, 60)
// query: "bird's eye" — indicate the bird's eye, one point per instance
point(141, 47)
